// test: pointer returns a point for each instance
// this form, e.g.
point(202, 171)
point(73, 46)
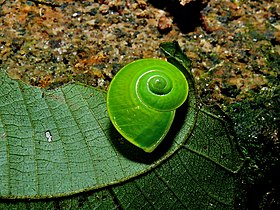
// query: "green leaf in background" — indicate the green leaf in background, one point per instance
point(60, 142)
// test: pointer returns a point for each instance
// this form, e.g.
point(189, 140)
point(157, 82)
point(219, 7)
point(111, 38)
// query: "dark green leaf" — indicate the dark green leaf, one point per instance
point(60, 142)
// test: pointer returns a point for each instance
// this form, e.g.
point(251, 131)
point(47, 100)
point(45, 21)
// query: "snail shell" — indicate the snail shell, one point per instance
point(142, 99)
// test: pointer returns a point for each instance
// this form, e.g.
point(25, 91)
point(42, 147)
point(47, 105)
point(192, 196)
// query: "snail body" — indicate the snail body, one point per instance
point(142, 99)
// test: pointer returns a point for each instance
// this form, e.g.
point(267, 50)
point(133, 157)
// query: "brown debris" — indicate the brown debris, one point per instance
point(184, 2)
point(164, 24)
point(88, 41)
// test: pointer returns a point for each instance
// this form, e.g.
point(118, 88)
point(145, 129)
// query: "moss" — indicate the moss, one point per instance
point(256, 121)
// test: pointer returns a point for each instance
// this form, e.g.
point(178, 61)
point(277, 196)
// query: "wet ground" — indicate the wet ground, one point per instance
point(233, 45)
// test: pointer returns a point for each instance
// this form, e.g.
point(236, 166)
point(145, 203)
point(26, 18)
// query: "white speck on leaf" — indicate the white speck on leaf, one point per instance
point(48, 135)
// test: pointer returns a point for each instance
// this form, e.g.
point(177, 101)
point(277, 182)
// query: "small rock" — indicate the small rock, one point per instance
point(104, 8)
point(184, 2)
point(142, 4)
point(164, 24)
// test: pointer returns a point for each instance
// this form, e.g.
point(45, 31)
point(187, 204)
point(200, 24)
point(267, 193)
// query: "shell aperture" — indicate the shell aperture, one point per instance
point(142, 99)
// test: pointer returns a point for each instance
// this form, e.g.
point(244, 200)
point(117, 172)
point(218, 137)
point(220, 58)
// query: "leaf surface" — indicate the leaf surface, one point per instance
point(60, 142)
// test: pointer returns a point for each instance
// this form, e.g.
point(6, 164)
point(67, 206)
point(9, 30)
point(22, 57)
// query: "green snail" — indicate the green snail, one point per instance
point(142, 99)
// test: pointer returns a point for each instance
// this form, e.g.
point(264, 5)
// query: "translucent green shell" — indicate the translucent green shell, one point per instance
point(142, 99)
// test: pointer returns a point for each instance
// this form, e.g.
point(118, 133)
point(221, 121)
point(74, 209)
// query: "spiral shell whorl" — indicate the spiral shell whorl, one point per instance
point(159, 85)
point(162, 88)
